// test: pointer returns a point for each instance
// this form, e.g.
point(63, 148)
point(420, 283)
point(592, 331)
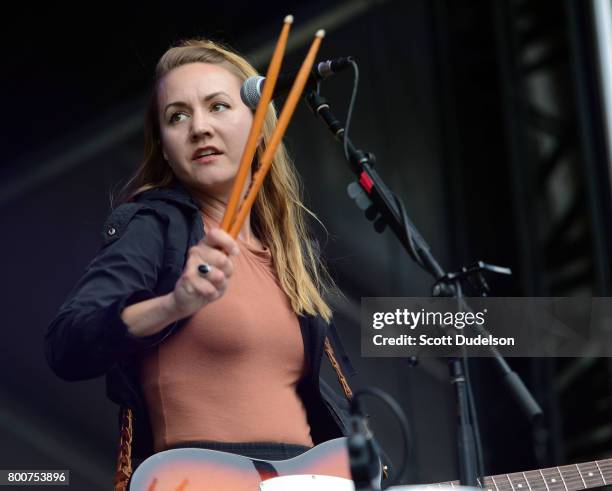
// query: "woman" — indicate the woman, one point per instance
point(209, 341)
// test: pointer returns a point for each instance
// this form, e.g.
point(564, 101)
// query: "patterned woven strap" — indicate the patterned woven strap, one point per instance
point(341, 378)
point(124, 459)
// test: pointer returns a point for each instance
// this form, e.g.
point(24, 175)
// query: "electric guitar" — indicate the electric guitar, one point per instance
point(196, 469)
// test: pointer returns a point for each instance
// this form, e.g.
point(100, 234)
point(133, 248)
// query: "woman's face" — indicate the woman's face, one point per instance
point(204, 126)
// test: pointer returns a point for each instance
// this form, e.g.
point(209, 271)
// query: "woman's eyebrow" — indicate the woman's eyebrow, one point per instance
point(206, 99)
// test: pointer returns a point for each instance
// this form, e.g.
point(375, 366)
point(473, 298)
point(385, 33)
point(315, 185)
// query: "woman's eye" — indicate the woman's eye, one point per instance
point(220, 106)
point(177, 117)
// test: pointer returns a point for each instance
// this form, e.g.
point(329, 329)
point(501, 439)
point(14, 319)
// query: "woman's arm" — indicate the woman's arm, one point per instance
point(118, 308)
point(192, 290)
point(150, 316)
point(89, 335)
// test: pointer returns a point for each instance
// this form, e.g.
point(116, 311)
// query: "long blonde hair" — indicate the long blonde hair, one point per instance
point(278, 212)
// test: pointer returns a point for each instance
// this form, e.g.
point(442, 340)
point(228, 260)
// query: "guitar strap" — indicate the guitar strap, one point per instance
point(123, 471)
point(348, 393)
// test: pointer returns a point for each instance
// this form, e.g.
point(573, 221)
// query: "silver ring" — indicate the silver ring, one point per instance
point(204, 269)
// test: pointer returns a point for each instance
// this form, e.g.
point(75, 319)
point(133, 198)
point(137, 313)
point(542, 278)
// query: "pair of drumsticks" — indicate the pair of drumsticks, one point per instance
point(234, 217)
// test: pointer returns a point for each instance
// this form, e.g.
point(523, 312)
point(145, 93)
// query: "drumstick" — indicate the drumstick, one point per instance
point(258, 120)
point(283, 122)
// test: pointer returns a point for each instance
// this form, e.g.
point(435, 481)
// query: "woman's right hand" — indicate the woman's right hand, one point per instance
point(194, 290)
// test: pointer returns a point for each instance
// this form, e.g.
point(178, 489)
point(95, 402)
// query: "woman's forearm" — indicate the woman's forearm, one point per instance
point(150, 316)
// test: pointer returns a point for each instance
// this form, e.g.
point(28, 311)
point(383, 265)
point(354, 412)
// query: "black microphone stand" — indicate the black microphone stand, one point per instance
point(363, 457)
point(384, 208)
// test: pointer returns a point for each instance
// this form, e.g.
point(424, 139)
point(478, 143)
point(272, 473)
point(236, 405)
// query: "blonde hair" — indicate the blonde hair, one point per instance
point(278, 212)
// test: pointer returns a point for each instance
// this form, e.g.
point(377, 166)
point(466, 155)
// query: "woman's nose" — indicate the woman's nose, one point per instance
point(200, 126)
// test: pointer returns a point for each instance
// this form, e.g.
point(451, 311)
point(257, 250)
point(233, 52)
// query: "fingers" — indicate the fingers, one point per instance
point(215, 250)
point(195, 288)
point(216, 259)
point(220, 239)
point(200, 290)
point(217, 278)
point(207, 287)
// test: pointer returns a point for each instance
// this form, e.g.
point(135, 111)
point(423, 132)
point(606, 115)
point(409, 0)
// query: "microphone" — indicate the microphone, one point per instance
point(252, 88)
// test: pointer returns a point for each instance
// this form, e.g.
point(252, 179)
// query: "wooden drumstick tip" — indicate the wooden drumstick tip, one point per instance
point(288, 19)
point(320, 33)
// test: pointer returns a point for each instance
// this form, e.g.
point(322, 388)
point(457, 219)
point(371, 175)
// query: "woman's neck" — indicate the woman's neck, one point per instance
point(215, 209)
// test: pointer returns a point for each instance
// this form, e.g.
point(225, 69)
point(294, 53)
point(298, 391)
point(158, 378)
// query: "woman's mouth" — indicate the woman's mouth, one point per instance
point(205, 159)
point(205, 155)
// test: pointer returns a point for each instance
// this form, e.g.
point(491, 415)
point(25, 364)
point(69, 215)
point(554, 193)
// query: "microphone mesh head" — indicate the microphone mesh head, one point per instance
point(250, 92)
